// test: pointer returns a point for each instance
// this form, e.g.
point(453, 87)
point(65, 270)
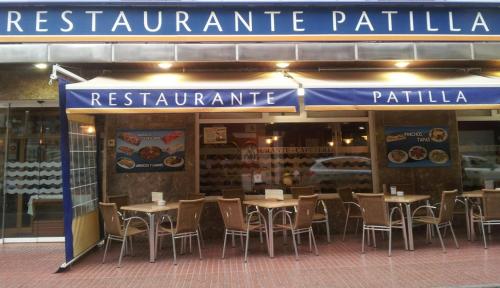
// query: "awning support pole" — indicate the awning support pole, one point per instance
point(56, 68)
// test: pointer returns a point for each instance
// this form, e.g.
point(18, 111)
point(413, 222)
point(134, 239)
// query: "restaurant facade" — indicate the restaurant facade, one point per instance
point(257, 94)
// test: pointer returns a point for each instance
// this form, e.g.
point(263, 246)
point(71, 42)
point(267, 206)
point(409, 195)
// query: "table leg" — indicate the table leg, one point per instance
point(467, 218)
point(409, 226)
point(152, 240)
point(271, 232)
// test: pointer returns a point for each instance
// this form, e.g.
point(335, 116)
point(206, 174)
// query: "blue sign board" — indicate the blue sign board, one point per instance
point(322, 98)
point(205, 22)
point(417, 146)
point(185, 100)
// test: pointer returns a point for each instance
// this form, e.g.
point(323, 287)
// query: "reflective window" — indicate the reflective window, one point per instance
point(480, 153)
point(256, 156)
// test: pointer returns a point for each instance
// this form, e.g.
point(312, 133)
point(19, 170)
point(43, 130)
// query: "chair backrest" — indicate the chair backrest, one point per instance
point(345, 194)
point(374, 209)
point(447, 205)
point(305, 211)
point(231, 193)
point(491, 204)
point(119, 200)
point(188, 215)
point(112, 224)
point(298, 191)
point(195, 196)
point(232, 213)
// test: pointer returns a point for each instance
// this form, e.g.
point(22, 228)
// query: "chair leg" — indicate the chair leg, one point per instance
point(310, 241)
point(131, 247)
point(260, 232)
point(173, 249)
point(390, 241)
point(190, 245)
point(453, 234)
point(346, 221)
point(374, 240)
point(224, 246)
point(199, 244)
point(295, 246)
point(106, 249)
point(124, 243)
point(201, 237)
point(484, 235)
point(314, 242)
point(328, 237)
point(241, 242)
point(440, 238)
point(246, 245)
point(233, 241)
point(363, 241)
point(299, 238)
point(405, 236)
point(356, 229)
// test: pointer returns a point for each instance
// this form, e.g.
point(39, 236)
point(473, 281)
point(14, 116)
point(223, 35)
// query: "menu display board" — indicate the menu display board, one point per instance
point(417, 146)
point(150, 150)
point(215, 135)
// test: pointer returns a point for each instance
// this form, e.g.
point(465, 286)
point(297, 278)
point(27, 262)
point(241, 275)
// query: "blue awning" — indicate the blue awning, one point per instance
point(184, 92)
point(393, 90)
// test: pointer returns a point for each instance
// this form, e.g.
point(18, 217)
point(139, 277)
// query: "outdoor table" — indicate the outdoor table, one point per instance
point(151, 209)
point(407, 200)
point(476, 194)
point(271, 204)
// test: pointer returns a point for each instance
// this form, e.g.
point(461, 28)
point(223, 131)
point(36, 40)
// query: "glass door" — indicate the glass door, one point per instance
point(4, 114)
point(33, 190)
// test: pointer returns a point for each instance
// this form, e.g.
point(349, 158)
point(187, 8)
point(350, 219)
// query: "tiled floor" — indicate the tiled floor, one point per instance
point(340, 264)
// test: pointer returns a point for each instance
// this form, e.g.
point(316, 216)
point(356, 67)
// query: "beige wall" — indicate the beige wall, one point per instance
point(423, 180)
point(138, 186)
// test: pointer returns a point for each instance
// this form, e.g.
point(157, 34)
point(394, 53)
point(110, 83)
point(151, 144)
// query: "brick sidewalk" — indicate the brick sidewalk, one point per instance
point(340, 264)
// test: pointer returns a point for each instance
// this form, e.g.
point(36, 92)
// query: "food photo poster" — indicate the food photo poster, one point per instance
point(417, 146)
point(150, 150)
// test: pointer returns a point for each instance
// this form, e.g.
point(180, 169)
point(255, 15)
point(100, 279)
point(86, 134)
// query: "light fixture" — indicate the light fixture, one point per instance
point(269, 141)
point(164, 65)
point(365, 137)
point(361, 127)
point(330, 143)
point(301, 92)
point(402, 64)
point(347, 140)
point(282, 65)
point(41, 66)
point(275, 138)
point(88, 129)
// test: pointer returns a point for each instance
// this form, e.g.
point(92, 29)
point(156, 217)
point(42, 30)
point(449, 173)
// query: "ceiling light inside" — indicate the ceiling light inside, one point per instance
point(41, 66)
point(402, 64)
point(164, 65)
point(282, 65)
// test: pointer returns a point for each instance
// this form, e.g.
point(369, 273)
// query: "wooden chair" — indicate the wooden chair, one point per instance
point(236, 224)
point(196, 196)
point(319, 218)
point(188, 221)
point(489, 213)
point(444, 218)
point(119, 230)
point(377, 217)
point(302, 222)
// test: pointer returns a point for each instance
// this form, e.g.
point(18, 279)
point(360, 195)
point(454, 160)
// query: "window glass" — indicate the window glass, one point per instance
point(480, 154)
point(257, 156)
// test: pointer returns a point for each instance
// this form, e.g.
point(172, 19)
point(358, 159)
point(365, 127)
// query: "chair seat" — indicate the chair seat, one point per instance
point(319, 216)
point(426, 220)
point(131, 231)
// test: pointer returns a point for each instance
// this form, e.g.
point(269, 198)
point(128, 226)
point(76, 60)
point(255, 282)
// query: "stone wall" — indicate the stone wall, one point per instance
point(138, 186)
point(429, 181)
point(26, 84)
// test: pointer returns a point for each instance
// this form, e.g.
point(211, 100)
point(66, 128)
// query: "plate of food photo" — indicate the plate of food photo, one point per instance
point(126, 163)
point(438, 134)
point(397, 156)
point(438, 156)
point(417, 153)
point(173, 161)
